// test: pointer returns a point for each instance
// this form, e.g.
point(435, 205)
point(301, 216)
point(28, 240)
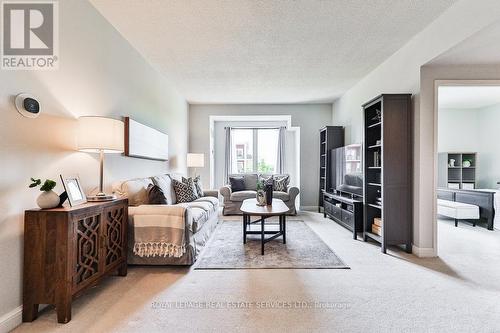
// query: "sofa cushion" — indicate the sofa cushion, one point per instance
point(242, 195)
point(199, 217)
point(237, 184)
point(165, 183)
point(251, 181)
point(135, 190)
point(155, 195)
point(184, 192)
point(205, 205)
point(214, 201)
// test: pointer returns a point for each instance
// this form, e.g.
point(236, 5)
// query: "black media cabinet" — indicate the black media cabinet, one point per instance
point(346, 210)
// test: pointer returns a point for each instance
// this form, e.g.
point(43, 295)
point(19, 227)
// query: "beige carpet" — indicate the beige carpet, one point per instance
point(458, 292)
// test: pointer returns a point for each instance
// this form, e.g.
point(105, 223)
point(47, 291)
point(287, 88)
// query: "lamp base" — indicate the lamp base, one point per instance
point(101, 197)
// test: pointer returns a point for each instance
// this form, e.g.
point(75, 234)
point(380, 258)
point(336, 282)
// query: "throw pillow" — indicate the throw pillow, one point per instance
point(156, 195)
point(266, 180)
point(184, 192)
point(281, 183)
point(237, 184)
point(197, 184)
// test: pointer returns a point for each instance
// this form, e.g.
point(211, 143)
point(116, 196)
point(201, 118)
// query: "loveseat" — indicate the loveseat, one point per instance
point(234, 199)
point(200, 217)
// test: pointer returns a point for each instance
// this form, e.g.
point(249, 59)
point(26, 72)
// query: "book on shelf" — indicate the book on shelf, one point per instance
point(376, 229)
point(377, 221)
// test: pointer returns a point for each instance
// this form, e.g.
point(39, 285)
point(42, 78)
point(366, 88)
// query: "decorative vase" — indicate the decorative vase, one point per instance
point(261, 198)
point(466, 164)
point(48, 199)
point(269, 194)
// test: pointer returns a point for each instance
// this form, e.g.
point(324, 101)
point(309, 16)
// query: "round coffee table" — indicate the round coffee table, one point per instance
point(249, 208)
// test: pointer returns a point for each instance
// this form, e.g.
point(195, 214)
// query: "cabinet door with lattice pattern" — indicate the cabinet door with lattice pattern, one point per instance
point(88, 249)
point(115, 219)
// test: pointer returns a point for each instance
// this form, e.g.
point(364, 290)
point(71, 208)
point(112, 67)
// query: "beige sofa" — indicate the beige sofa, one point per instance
point(201, 217)
point(233, 200)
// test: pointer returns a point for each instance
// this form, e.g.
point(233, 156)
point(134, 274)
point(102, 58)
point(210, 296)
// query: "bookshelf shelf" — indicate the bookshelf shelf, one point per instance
point(387, 120)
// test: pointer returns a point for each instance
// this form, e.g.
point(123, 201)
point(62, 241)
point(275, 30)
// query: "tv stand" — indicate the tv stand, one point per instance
point(346, 210)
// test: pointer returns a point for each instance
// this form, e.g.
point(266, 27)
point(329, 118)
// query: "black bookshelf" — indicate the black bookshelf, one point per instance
point(330, 137)
point(388, 170)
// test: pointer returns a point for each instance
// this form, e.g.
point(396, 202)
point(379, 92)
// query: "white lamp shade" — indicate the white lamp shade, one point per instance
point(195, 160)
point(99, 133)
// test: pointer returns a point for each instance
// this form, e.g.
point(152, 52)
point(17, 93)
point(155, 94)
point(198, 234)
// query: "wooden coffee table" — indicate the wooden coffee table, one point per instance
point(249, 208)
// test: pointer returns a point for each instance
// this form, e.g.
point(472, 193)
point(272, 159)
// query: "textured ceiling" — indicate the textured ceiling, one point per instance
point(468, 97)
point(267, 51)
point(482, 48)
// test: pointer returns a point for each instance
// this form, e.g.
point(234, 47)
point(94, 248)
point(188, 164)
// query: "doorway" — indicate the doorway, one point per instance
point(467, 156)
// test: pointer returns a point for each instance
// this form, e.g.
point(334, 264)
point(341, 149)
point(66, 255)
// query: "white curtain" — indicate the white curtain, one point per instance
point(280, 163)
point(227, 158)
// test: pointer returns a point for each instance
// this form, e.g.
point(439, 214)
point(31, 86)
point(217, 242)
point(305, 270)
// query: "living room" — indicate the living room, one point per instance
point(137, 98)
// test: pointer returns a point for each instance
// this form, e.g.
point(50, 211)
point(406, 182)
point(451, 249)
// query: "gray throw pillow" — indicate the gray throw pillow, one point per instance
point(156, 195)
point(237, 184)
point(184, 192)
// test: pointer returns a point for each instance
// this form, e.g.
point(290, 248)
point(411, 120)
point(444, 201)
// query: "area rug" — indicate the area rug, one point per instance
point(303, 249)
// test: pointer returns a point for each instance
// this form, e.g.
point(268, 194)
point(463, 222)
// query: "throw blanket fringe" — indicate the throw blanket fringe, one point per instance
point(161, 249)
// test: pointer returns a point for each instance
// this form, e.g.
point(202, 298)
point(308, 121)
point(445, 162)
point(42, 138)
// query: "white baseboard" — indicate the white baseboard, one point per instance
point(309, 208)
point(11, 320)
point(424, 252)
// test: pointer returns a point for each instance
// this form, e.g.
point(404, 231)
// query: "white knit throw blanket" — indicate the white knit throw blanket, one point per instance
point(159, 231)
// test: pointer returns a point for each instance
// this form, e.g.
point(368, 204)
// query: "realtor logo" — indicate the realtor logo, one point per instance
point(30, 36)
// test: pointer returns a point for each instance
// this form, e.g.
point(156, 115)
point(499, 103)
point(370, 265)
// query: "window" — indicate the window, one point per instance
point(254, 150)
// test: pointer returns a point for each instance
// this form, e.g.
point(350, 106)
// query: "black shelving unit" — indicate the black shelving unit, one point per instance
point(388, 170)
point(330, 137)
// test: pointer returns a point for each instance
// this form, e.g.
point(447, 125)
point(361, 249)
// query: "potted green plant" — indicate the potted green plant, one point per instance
point(48, 198)
point(467, 163)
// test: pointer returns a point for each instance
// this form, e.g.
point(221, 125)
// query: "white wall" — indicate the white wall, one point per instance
point(400, 73)
point(99, 74)
point(309, 117)
point(488, 172)
point(458, 130)
point(473, 130)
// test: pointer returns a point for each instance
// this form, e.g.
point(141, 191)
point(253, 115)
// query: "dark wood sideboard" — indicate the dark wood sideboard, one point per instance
point(68, 250)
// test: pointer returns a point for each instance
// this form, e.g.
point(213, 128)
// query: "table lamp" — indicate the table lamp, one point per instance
point(100, 135)
point(195, 161)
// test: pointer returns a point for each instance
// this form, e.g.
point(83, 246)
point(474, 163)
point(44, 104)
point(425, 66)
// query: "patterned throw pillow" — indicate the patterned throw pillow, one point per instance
point(197, 184)
point(266, 180)
point(281, 183)
point(184, 192)
point(156, 195)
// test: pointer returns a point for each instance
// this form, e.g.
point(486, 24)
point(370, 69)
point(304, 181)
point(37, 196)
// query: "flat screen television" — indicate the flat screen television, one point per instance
point(347, 169)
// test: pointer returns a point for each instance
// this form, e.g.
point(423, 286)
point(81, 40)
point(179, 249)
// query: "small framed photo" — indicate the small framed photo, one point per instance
point(73, 188)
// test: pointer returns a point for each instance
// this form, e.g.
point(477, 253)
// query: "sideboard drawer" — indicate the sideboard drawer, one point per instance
point(348, 218)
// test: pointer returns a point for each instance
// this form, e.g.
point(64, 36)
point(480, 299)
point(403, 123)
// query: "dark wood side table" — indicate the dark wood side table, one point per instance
point(67, 250)
point(249, 207)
